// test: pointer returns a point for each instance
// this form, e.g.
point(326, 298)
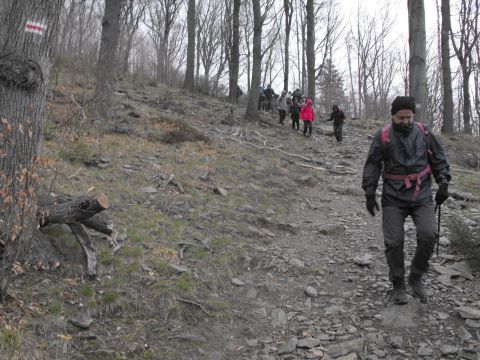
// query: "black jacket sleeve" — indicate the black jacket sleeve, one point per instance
point(373, 166)
point(438, 160)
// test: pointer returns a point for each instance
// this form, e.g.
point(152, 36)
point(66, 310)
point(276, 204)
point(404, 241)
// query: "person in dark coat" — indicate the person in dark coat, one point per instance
point(295, 114)
point(269, 93)
point(338, 118)
point(409, 155)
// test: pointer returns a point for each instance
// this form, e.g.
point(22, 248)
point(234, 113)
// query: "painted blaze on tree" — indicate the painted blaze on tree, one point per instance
point(28, 31)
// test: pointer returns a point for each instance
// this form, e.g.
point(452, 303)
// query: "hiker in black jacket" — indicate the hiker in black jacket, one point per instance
point(409, 154)
point(338, 118)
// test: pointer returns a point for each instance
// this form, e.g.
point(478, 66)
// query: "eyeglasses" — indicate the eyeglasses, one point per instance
point(404, 117)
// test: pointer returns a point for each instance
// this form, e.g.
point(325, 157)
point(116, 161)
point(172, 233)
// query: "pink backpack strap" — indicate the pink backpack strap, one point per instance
point(386, 134)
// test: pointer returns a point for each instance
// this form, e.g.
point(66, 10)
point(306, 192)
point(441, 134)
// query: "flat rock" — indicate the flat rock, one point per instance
point(288, 347)
point(148, 190)
point(83, 320)
point(400, 316)
point(310, 291)
point(352, 356)
point(448, 349)
point(396, 342)
point(279, 318)
point(463, 333)
point(463, 268)
point(296, 262)
point(346, 348)
point(363, 260)
point(291, 228)
point(467, 312)
point(424, 351)
point(220, 191)
point(472, 323)
point(308, 343)
point(237, 282)
point(445, 270)
point(331, 229)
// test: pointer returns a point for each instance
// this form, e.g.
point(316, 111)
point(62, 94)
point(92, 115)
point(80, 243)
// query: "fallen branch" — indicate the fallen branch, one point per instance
point(463, 196)
point(196, 304)
point(310, 166)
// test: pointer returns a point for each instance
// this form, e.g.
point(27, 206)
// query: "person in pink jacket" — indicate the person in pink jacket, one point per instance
point(307, 114)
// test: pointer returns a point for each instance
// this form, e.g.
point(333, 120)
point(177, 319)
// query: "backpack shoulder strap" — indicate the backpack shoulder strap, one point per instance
point(426, 133)
point(386, 134)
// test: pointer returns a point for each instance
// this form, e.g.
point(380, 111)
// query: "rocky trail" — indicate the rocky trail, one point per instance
point(253, 245)
point(321, 288)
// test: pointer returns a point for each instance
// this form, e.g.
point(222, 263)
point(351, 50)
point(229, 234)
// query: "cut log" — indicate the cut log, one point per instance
point(79, 209)
point(86, 210)
point(87, 246)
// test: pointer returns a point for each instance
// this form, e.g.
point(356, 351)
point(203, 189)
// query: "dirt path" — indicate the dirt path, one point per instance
point(320, 289)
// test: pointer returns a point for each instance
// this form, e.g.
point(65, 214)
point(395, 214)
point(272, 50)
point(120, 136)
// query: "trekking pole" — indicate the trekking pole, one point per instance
point(439, 207)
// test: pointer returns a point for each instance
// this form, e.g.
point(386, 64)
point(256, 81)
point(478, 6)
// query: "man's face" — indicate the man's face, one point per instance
point(403, 118)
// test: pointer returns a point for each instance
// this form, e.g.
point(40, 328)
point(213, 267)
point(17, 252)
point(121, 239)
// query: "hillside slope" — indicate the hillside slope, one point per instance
point(235, 240)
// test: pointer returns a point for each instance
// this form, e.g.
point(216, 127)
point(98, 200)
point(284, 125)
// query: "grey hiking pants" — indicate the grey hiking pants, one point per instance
point(394, 236)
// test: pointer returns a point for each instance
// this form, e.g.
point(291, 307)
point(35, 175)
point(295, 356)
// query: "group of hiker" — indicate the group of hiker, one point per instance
point(299, 107)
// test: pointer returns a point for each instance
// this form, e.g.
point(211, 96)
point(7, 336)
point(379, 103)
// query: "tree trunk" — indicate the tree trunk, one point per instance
point(108, 47)
point(310, 50)
point(417, 59)
point(189, 82)
point(234, 64)
point(288, 9)
point(467, 104)
point(252, 107)
point(29, 33)
point(447, 125)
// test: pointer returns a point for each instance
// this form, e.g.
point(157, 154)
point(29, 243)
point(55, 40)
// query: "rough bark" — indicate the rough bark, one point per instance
point(447, 125)
point(25, 62)
point(252, 107)
point(288, 10)
point(417, 59)
point(189, 82)
point(76, 210)
point(108, 47)
point(310, 50)
point(234, 61)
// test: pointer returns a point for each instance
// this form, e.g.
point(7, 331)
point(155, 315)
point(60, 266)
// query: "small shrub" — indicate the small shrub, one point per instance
point(109, 297)
point(10, 341)
point(77, 152)
point(87, 291)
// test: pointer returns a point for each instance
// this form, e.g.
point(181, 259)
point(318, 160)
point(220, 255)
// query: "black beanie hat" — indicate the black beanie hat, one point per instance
point(402, 103)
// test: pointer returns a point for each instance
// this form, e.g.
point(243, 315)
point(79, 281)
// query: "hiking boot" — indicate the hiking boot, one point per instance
point(418, 291)
point(399, 292)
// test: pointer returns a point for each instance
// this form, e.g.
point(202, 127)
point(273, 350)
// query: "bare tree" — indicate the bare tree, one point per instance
point(417, 61)
point(210, 38)
point(258, 21)
point(189, 83)
point(28, 33)
point(447, 125)
point(288, 11)
point(463, 44)
point(132, 13)
point(232, 39)
point(162, 16)
point(310, 50)
point(108, 47)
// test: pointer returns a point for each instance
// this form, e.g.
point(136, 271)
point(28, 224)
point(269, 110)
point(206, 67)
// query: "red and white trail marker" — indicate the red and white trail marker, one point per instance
point(35, 27)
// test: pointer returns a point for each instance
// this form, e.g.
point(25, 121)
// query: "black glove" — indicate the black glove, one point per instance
point(372, 204)
point(442, 193)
